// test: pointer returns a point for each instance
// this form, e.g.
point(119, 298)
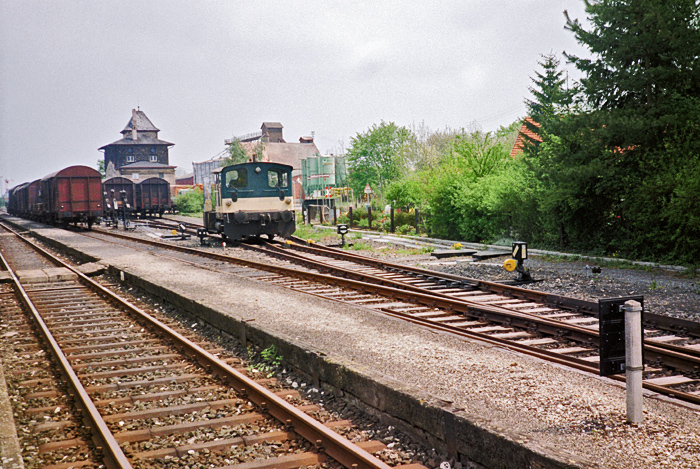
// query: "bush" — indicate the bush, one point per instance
point(382, 225)
point(407, 192)
point(478, 209)
point(360, 213)
point(403, 217)
point(190, 201)
point(406, 230)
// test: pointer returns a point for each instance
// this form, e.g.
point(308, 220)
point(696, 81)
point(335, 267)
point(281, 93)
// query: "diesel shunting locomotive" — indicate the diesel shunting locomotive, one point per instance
point(250, 200)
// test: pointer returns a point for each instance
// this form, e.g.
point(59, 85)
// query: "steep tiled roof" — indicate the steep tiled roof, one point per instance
point(146, 132)
point(142, 123)
point(524, 133)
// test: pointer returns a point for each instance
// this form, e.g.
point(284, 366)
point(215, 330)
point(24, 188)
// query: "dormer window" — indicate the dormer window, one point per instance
point(129, 158)
point(154, 158)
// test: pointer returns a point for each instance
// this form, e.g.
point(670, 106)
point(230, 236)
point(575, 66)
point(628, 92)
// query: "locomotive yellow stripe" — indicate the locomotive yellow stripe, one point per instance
point(256, 204)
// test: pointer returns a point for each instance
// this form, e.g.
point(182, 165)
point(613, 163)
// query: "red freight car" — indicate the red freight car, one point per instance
point(19, 203)
point(72, 195)
point(122, 190)
point(12, 201)
point(34, 199)
point(153, 197)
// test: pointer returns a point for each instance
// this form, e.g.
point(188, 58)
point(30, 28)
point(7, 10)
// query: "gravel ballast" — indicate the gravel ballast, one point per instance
point(561, 412)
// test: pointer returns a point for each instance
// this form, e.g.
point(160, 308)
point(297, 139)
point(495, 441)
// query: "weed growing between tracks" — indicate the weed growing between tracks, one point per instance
point(401, 448)
point(266, 362)
point(359, 246)
point(309, 232)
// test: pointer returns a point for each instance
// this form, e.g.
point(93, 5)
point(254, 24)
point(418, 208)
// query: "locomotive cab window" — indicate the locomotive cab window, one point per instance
point(275, 178)
point(237, 178)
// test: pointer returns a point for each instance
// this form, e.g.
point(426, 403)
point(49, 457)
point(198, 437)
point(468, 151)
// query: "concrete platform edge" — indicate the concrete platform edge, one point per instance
point(81, 256)
point(472, 438)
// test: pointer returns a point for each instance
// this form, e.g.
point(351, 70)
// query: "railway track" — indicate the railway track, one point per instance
point(564, 329)
point(555, 328)
point(123, 388)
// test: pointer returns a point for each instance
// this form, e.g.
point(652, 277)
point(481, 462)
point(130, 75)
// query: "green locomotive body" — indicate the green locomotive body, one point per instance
point(250, 200)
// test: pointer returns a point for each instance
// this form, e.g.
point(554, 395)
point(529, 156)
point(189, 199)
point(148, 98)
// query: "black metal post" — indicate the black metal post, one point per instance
point(369, 216)
point(392, 218)
point(417, 222)
point(350, 216)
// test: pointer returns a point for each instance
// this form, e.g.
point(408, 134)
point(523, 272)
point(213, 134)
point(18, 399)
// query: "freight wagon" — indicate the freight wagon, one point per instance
point(72, 195)
point(152, 196)
point(19, 201)
point(119, 196)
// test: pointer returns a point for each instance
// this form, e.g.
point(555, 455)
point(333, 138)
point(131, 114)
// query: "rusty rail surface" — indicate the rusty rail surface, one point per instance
point(558, 301)
point(103, 437)
point(378, 285)
point(671, 355)
point(325, 440)
point(345, 278)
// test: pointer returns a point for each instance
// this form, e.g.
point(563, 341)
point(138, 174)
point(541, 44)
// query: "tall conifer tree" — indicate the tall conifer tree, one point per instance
point(550, 92)
point(625, 168)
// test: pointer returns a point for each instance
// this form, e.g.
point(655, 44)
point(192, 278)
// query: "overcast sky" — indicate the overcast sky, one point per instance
point(204, 71)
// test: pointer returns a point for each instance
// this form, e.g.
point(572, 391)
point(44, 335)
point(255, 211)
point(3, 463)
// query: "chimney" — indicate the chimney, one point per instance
point(134, 133)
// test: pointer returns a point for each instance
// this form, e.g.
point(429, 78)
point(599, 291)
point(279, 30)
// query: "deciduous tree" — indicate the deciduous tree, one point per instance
point(236, 153)
point(376, 156)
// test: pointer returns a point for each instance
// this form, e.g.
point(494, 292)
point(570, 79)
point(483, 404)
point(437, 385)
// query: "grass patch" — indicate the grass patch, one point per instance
point(414, 251)
point(611, 264)
point(360, 246)
point(625, 264)
point(690, 272)
point(560, 257)
point(309, 232)
point(199, 215)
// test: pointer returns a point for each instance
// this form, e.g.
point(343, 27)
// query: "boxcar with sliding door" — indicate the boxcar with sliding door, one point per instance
point(153, 197)
point(34, 204)
point(13, 201)
point(72, 195)
point(119, 195)
point(18, 203)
